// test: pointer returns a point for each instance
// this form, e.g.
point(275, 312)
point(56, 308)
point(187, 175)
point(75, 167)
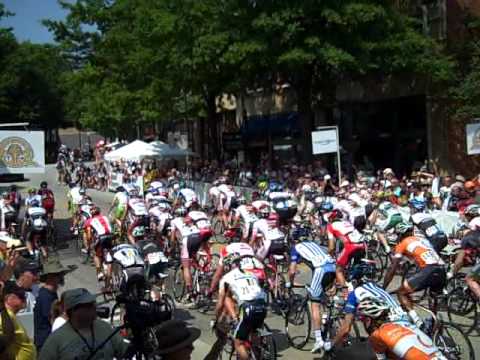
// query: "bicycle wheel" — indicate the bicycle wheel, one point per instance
point(178, 285)
point(298, 321)
point(462, 308)
point(453, 343)
point(169, 304)
point(263, 345)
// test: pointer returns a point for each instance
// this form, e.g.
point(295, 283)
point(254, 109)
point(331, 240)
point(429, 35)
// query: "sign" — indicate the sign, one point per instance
point(232, 141)
point(472, 132)
point(22, 152)
point(325, 141)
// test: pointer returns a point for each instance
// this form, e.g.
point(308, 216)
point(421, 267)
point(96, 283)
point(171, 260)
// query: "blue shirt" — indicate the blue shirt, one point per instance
point(41, 315)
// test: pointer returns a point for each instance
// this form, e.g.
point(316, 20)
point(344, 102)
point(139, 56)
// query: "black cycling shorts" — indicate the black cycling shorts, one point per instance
point(433, 277)
point(277, 247)
point(252, 316)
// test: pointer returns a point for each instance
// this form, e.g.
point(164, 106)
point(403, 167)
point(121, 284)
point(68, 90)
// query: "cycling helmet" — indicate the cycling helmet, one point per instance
point(403, 228)
point(372, 307)
point(472, 210)
point(120, 189)
point(232, 259)
point(417, 204)
point(241, 200)
point(32, 191)
point(82, 191)
point(264, 211)
point(335, 215)
point(43, 185)
point(94, 210)
point(181, 211)
point(164, 206)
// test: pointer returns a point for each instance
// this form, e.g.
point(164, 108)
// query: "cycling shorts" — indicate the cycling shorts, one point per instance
point(351, 251)
point(190, 245)
point(252, 316)
point(120, 212)
point(315, 289)
point(432, 277)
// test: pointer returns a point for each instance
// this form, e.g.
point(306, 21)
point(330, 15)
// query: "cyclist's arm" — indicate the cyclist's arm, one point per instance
point(459, 261)
point(331, 244)
point(344, 329)
point(222, 294)
point(391, 271)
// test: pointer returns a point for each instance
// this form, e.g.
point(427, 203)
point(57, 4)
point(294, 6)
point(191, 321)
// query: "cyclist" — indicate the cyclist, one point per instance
point(79, 198)
point(185, 232)
point(36, 230)
point(267, 239)
point(48, 199)
point(384, 218)
point(322, 266)
point(160, 218)
point(32, 197)
point(186, 197)
point(120, 204)
point(353, 209)
point(99, 236)
point(244, 216)
point(426, 227)
point(227, 200)
point(431, 272)
point(470, 247)
point(472, 215)
point(248, 262)
point(241, 290)
point(282, 202)
point(395, 339)
point(353, 243)
point(137, 215)
point(366, 291)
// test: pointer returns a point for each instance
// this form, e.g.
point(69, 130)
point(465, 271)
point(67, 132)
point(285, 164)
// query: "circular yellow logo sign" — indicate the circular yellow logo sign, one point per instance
point(15, 152)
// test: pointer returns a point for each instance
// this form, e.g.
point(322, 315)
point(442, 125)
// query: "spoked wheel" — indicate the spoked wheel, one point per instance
point(462, 308)
point(298, 322)
point(263, 345)
point(453, 343)
point(178, 285)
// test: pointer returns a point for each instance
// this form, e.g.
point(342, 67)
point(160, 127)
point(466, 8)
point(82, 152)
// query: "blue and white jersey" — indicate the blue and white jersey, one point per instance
point(311, 253)
point(372, 290)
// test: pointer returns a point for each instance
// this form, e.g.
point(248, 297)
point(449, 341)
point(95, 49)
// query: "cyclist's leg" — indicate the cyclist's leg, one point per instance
point(417, 282)
point(473, 280)
point(186, 257)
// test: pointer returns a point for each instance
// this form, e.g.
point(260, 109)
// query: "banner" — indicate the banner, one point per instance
point(472, 132)
point(22, 152)
point(324, 141)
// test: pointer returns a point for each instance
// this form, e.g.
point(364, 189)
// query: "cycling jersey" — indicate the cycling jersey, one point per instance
point(200, 219)
point(226, 197)
point(419, 250)
point(372, 290)
point(126, 255)
point(344, 231)
point(34, 212)
point(351, 212)
point(474, 224)
point(311, 253)
point(268, 229)
point(137, 207)
point(30, 199)
point(121, 199)
point(188, 196)
point(100, 224)
point(390, 214)
point(243, 286)
point(425, 225)
point(258, 204)
point(214, 192)
point(75, 195)
point(162, 218)
point(246, 214)
point(402, 340)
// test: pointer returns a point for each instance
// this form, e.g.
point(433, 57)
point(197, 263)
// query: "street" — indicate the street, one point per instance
point(84, 275)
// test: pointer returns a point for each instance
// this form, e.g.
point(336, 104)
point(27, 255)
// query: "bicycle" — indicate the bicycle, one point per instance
point(463, 303)
point(261, 344)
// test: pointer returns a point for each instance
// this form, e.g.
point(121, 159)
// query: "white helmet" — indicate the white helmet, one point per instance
point(372, 307)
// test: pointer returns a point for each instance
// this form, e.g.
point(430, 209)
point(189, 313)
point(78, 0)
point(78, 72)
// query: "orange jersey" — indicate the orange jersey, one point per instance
point(419, 250)
point(401, 340)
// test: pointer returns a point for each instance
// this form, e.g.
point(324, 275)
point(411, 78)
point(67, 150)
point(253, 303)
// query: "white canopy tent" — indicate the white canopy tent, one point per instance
point(169, 151)
point(135, 151)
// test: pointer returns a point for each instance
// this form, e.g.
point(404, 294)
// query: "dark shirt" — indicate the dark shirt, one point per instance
point(41, 315)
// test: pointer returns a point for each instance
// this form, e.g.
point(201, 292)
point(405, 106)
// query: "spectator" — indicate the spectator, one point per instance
point(82, 333)
point(52, 277)
point(175, 340)
point(58, 316)
point(14, 341)
point(26, 276)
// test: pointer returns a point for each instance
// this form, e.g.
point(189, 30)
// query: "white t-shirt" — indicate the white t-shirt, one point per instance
point(243, 285)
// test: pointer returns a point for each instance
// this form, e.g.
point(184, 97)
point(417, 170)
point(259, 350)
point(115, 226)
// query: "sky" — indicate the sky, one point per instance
point(26, 23)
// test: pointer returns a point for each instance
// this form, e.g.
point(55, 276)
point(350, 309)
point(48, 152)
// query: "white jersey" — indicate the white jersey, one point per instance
point(126, 255)
point(240, 248)
point(36, 211)
point(312, 253)
point(75, 195)
point(350, 211)
point(30, 199)
point(188, 195)
point(100, 224)
point(245, 214)
point(200, 219)
point(258, 204)
point(185, 230)
point(268, 229)
point(214, 192)
point(243, 285)
point(138, 207)
point(227, 190)
point(474, 224)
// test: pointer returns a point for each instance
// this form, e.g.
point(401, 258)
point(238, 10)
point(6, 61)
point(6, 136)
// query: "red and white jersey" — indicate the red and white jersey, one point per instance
point(178, 224)
point(227, 190)
point(137, 207)
point(200, 219)
point(242, 249)
point(344, 231)
point(268, 229)
point(246, 213)
point(188, 195)
point(100, 224)
point(214, 192)
point(350, 211)
point(258, 204)
point(474, 224)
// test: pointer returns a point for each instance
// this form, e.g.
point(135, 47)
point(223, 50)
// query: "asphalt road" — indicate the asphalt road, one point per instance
point(84, 275)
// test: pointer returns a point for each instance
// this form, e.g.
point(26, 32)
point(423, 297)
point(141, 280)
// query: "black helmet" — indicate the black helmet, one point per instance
point(43, 184)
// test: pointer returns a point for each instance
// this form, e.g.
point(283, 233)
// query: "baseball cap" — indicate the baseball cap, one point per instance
point(77, 297)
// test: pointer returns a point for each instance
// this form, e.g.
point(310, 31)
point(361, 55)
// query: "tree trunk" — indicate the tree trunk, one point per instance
point(304, 91)
point(213, 148)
